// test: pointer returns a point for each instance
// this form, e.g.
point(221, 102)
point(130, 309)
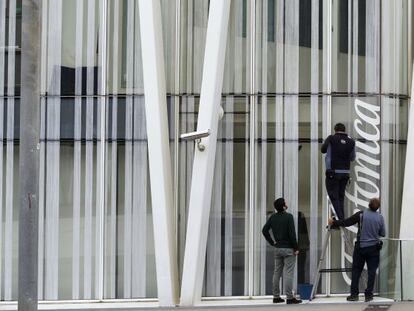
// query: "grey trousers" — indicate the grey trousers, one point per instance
point(285, 261)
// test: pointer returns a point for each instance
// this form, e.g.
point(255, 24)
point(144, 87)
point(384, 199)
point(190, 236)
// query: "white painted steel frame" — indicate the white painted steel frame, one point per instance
point(407, 211)
point(203, 168)
point(159, 151)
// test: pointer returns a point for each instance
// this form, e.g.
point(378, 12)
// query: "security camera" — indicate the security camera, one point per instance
point(195, 135)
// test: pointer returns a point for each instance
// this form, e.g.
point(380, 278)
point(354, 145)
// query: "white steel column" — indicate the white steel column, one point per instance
point(159, 151)
point(203, 167)
point(407, 212)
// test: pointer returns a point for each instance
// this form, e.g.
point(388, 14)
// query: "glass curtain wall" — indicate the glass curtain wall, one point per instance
point(293, 69)
point(290, 62)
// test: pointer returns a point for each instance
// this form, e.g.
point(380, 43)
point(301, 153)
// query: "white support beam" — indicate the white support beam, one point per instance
point(407, 210)
point(159, 151)
point(203, 167)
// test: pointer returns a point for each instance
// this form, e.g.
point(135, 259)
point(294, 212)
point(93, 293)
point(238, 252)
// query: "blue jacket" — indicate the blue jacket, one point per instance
point(340, 151)
point(372, 229)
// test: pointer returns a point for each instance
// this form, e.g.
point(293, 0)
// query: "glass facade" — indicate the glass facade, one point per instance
point(293, 69)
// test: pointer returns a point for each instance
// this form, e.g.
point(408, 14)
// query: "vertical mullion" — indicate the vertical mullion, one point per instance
point(42, 153)
point(177, 101)
point(113, 205)
point(263, 162)
point(89, 185)
point(372, 73)
point(139, 202)
point(355, 51)
point(291, 117)
point(101, 152)
point(52, 152)
point(252, 147)
point(2, 83)
point(77, 150)
point(190, 43)
point(140, 173)
point(229, 215)
point(42, 186)
point(213, 261)
point(111, 232)
point(350, 42)
point(238, 47)
point(128, 152)
point(314, 161)
point(8, 243)
point(280, 83)
point(99, 198)
point(326, 110)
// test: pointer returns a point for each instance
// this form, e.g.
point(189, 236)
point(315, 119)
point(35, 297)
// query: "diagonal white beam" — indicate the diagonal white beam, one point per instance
point(159, 151)
point(203, 167)
point(407, 210)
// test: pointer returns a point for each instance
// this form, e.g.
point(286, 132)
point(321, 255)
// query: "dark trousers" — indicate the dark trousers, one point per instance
point(335, 186)
point(369, 255)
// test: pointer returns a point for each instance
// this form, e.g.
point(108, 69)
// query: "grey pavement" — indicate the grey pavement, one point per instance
point(248, 306)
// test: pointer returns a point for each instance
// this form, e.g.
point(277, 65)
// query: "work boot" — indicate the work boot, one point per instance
point(369, 298)
point(293, 301)
point(278, 300)
point(352, 298)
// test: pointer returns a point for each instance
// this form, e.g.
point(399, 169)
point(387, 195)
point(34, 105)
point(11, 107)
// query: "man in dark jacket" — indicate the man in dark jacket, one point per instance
point(367, 247)
point(286, 248)
point(340, 151)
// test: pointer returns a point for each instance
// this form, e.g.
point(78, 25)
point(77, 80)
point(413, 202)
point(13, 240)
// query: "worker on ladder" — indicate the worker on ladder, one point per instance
point(340, 151)
point(367, 246)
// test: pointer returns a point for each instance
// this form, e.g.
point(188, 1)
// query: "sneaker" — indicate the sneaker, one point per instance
point(293, 301)
point(278, 300)
point(352, 298)
point(369, 298)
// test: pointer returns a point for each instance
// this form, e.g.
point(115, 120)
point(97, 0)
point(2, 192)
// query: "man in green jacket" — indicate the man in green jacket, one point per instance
point(286, 248)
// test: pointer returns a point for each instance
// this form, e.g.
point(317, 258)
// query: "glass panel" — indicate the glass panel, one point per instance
point(356, 46)
point(193, 27)
point(273, 175)
point(289, 46)
point(395, 61)
point(71, 55)
point(129, 244)
point(226, 263)
point(237, 69)
point(10, 43)
point(70, 203)
point(390, 269)
point(85, 206)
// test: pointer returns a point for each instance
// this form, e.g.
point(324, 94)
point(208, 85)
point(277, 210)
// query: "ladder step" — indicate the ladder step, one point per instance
point(335, 270)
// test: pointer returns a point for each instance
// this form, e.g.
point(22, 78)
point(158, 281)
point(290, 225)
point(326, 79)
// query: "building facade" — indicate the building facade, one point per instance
point(293, 68)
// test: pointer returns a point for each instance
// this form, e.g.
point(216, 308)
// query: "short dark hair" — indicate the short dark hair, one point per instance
point(339, 127)
point(374, 204)
point(279, 204)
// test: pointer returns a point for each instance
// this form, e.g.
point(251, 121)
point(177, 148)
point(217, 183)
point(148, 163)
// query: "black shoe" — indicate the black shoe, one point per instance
point(293, 301)
point(278, 300)
point(369, 298)
point(352, 298)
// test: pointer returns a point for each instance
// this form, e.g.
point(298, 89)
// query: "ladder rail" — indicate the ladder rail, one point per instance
point(324, 250)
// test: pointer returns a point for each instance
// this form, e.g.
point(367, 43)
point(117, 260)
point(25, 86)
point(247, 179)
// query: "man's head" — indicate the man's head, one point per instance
point(374, 204)
point(339, 127)
point(279, 204)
